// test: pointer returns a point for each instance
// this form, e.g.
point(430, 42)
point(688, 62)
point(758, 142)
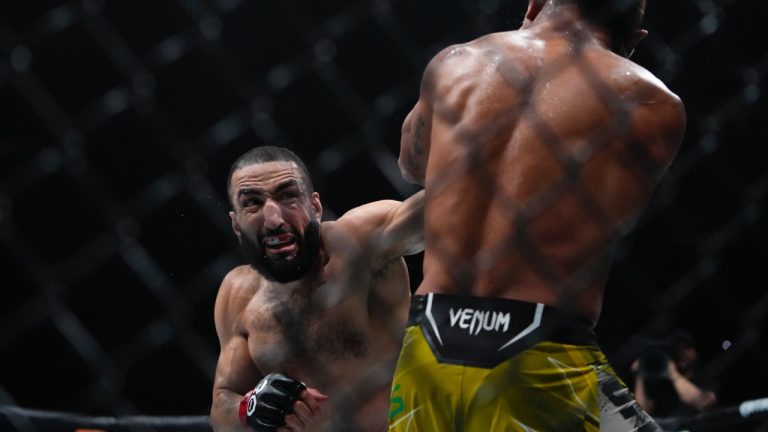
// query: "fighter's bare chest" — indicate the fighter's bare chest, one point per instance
point(288, 333)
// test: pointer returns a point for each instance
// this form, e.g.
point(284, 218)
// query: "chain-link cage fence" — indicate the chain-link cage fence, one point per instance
point(120, 121)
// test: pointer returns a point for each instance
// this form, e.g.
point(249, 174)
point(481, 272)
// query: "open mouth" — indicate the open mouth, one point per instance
point(281, 243)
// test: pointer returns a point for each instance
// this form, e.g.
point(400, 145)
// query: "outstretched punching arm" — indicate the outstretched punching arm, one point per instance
point(392, 229)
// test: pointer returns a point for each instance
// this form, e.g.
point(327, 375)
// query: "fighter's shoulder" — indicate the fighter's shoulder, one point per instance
point(236, 290)
point(370, 210)
point(238, 286)
point(358, 226)
point(367, 217)
point(658, 112)
point(485, 46)
point(642, 85)
point(459, 67)
point(464, 59)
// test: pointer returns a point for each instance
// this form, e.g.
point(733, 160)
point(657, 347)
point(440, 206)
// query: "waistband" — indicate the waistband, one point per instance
point(483, 332)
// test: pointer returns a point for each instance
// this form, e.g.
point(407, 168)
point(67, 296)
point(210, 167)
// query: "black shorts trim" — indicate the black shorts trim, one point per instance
point(483, 332)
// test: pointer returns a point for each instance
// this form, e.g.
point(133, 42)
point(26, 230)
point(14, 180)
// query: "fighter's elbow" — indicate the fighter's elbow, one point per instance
point(214, 419)
point(409, 174)
point(417, 246)
point(708, 400)
point(219, 421)
point(224, 415)
point(216, 408)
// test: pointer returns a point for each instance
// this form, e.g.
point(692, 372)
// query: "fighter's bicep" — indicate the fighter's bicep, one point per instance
point(235, 370)
point(403, 230)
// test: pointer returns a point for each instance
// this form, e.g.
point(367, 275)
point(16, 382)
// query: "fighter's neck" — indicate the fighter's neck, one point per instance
point(567, 22)
point(307, 284)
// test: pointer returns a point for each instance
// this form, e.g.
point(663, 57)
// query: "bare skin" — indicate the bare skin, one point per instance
point(537, 149)
point(689, 393)
point(337, 329)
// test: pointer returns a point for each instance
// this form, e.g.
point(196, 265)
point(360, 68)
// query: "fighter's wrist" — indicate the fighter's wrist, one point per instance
point(244, 408)
point(264, 408)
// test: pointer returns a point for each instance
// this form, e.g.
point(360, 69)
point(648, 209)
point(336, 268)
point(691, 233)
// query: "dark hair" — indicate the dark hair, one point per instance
point(677, 342)
point(618, 17)
point(265, 154)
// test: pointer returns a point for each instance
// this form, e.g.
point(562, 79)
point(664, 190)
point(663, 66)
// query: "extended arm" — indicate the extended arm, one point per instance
point(390, 229)
point(688, 392)
point(402, 231)
point(691, 394)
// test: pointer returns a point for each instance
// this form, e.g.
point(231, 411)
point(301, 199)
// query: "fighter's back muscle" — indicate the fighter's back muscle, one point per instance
point(528, 157)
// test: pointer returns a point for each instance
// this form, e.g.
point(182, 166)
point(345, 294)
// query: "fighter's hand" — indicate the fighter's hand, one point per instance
point(266, 407)
point(672, 371)
point(306, 411)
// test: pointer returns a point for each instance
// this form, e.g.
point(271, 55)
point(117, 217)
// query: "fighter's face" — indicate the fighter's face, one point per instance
point(687, 360)
point(276, 220)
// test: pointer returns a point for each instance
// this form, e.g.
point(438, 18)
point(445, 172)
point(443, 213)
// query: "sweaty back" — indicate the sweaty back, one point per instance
point(539, 158)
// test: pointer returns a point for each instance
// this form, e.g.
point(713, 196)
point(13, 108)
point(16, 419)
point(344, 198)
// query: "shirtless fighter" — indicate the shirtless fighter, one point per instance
point(322, 305)
point(537, 149)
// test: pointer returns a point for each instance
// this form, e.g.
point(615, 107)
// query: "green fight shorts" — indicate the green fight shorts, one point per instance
point(478, 364)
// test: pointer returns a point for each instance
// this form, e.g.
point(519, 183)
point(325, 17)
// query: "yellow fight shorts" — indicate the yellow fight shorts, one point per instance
point(478, 365)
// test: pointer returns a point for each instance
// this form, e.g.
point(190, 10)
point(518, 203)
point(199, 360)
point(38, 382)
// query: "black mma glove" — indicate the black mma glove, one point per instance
point(264, 408)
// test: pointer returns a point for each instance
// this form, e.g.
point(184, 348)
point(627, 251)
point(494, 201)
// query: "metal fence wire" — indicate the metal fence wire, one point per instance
point(119, 121)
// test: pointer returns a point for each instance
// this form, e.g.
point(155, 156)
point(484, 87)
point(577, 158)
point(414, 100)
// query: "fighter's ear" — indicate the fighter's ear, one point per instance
point(534, 7)
point(317, 206)
point(632, 39)
point(235, 225)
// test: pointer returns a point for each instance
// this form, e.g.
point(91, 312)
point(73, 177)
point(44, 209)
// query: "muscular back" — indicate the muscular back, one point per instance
point(541, 151)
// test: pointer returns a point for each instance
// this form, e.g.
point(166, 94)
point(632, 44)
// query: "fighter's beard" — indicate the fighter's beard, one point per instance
point(284, 270)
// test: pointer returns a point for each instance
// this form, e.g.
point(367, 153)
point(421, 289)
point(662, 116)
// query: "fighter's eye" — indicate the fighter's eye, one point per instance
point(252, 202)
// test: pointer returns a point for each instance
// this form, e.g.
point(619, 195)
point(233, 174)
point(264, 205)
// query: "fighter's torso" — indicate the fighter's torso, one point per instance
point(530, 177)
point(341, 334)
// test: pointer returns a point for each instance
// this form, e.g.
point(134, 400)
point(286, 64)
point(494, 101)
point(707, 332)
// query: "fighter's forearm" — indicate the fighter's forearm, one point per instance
point(692, 395)
point(225, 416)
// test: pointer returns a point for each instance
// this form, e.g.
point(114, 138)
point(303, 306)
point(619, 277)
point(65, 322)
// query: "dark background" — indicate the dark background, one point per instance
point(119, 120)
